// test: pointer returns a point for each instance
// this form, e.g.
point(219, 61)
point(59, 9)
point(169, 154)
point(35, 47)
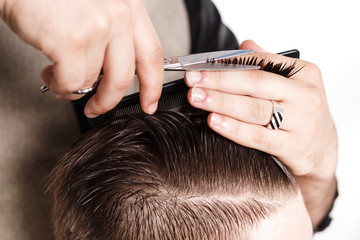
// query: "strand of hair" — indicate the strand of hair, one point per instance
point(283, 69)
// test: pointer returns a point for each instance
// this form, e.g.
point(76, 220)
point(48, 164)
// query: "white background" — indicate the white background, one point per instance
point(326, 33)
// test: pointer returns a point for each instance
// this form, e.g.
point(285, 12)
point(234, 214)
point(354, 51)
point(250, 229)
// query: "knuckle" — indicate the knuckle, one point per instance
point(236, 130)
point(256, 75)
point(153, 57)
point(258, 137)
point(101, 23)
point(221, 102)
point(314, 72)
point(254, 80)
point(76, 39)
point(258, 111)
point(218, 76)
point(316, 96)
point(156, 53)
point(122, 11)
point(100, 107)
point(67, 38)
point(264, 141)
point(120, 86)
point(313, 68)
point(274, 143)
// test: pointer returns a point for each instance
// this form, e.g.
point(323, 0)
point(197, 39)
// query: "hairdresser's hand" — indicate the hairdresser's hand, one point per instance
point(241, 108)
point(81, 36)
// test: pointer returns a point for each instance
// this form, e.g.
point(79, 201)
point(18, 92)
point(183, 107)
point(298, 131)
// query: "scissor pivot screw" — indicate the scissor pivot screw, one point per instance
point(167, 60)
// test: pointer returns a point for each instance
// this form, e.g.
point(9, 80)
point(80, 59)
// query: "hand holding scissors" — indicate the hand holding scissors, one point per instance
point(81, 37)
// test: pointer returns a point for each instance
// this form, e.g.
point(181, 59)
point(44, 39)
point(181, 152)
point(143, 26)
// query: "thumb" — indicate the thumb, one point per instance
point(251, 45)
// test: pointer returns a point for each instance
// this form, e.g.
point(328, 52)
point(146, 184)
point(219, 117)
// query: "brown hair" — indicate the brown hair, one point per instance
point(166, 176)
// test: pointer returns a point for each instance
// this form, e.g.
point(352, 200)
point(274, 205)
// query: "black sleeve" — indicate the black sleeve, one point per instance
point(208, 33)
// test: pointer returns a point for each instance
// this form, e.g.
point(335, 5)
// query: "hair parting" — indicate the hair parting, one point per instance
point(164, 176)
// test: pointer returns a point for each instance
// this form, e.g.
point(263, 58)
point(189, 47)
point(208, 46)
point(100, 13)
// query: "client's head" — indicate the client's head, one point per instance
point(168, 176)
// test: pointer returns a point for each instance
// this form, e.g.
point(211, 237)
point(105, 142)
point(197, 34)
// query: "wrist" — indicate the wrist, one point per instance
point(318, 197)
point(321, 178)
point(318, 187)
point(325, 170)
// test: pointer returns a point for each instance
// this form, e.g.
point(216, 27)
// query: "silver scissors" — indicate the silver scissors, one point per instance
point(209, 61)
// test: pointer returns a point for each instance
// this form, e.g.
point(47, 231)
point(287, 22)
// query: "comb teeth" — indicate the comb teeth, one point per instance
point(283, 69)
point(173, 98)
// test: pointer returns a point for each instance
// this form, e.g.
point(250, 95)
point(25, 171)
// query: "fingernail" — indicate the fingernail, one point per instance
point(216, 120)
point(197, 95)
point(193, 77)
point(91, 115)
point(152, 108)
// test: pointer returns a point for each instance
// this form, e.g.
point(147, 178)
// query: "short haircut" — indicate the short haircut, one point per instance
point(165, 176)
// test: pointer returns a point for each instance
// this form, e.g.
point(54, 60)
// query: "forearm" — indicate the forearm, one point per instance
point(319, 186)
point(318, 196)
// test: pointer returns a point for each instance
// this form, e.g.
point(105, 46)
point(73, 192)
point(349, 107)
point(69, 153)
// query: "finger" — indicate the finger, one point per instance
point(149, 62)
point(249, 135)
point(255, 83)
point(69, 73)
point(47, 75)
point(243, 108)
point(118, 75)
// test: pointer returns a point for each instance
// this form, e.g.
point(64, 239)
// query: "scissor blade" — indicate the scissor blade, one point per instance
point(215, 67)
point(204, 57)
